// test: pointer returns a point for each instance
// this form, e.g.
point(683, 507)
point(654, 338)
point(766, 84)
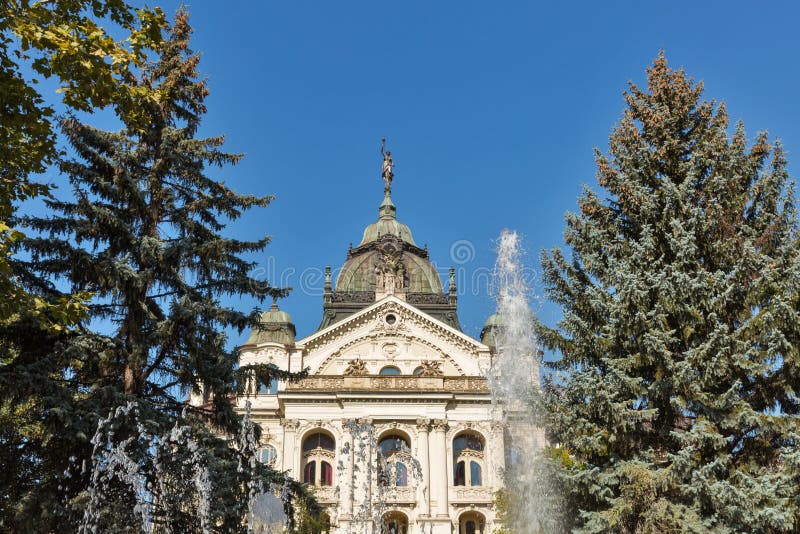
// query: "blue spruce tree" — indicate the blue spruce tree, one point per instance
point(677, 401)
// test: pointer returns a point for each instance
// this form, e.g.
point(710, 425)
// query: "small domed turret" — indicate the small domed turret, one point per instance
point(489, 331)
point(274, 326)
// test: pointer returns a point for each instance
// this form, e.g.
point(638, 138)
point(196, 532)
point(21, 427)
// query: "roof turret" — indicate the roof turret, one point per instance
point(274, 325)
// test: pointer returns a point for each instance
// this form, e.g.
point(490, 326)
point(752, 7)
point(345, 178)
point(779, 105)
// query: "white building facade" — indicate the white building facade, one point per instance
point(392, 427)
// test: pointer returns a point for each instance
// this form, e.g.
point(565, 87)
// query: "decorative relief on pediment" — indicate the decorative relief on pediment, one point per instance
point(389, 323)
point(389, 350)
point(356, 367)
point(379, 326)
point(431, 368)
point(402, 327)
point(324, 366)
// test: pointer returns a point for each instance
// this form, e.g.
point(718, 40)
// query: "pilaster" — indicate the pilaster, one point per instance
point(290, 455)
point(439, 478)
point(424, 493)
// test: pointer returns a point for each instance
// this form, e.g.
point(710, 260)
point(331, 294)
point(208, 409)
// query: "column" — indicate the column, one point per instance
point(424, 493)
point(290, 448)
point(439, 473)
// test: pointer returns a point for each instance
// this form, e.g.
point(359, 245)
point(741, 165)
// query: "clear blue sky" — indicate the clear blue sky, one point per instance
point(491, 110)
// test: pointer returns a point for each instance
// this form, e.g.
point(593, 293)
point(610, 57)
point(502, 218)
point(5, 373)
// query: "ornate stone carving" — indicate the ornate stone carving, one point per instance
point(455, 384)
point(389, 349)
point(431, 368)
point(390, 275)
point(397, 495)
point(427, 298)
point(471, 494)
point(327, 495)
point(353, 296)
point(383, 327)
point(439, 425)
point(423, 424)
point(356, 367)
point(290, 424)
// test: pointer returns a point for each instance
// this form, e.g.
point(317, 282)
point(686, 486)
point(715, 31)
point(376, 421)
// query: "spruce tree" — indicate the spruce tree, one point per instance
point(144, 234)
point(676, 391)
point(64, 41)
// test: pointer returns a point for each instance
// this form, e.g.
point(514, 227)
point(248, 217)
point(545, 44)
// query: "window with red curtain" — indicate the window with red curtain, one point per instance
point(327, 474)
point(310, 472)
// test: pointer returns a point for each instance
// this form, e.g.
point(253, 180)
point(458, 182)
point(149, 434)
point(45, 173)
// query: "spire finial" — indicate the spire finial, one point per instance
point(387, 168)
point(274, 302)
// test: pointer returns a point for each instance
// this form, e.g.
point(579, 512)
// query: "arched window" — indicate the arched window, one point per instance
point(393, 461)
point(268, 455)
point(471, 523)
point(269, 389)
point(468, 459)
point(319, 453)
point(390, 370)
point(418, 371)
point(394, 523)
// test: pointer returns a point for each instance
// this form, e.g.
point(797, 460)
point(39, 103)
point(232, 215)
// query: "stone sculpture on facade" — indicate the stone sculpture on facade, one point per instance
point(431, 368)
point(356, 367)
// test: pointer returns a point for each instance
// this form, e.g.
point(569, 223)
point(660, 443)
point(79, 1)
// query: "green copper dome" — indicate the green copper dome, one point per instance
point(493, 320)
point(274, 326)
point(388, 240)
point(490, 330)
point(358, 273)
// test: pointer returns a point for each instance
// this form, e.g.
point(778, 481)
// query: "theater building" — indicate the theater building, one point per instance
point(392, 427)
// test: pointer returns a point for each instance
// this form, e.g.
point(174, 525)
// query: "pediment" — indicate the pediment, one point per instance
point(393, 333)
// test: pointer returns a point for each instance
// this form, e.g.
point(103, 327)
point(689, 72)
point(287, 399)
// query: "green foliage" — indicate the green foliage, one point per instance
point(677, 395)
point(311, 520)
point(142, 235)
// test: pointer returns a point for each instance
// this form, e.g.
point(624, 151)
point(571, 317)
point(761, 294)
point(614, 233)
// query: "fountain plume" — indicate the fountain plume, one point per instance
point(515, 385)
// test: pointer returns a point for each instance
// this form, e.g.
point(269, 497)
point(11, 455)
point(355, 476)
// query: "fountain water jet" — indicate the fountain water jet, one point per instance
point(514, 382)
point(161, 470)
